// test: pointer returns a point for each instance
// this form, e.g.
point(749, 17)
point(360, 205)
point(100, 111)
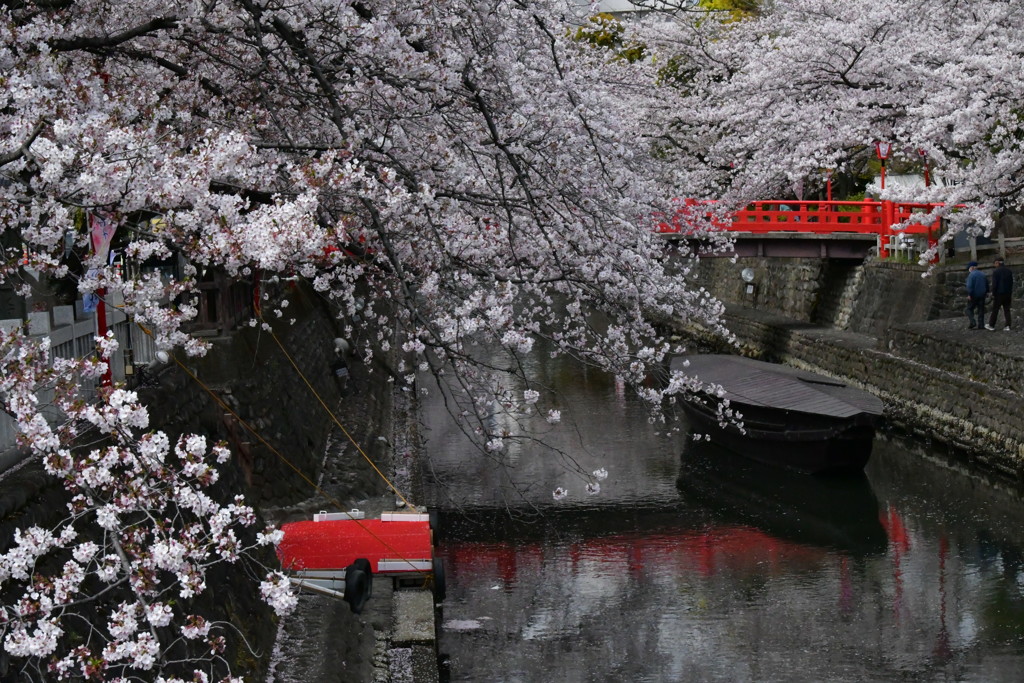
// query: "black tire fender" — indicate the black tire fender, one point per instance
point(363, 565)
point(439, 584)
point(357, 588)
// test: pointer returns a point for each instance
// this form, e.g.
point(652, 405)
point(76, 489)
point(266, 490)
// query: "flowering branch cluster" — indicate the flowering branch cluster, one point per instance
point(807, 87)
point(118, 573)
point(451, 175)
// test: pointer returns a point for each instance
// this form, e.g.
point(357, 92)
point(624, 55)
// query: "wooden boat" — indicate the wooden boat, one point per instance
point(791, 418)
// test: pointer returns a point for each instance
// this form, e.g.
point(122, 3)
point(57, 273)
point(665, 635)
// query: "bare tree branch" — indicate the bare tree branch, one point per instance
point(94, 42)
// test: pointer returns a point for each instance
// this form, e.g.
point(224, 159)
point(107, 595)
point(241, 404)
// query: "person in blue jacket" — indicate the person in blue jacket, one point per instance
point(1002, 292)
point(977, 288)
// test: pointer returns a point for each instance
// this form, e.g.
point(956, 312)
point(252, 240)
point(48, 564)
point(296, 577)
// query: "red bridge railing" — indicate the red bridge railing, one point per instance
point(819, 218)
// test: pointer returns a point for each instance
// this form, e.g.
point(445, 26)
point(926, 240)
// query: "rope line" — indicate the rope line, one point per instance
point(281, 456)
point(340, 426)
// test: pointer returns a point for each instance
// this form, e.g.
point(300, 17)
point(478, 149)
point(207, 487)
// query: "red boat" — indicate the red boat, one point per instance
point(338, 554)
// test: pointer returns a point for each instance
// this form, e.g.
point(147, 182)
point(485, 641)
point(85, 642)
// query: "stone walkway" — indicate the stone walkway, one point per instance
point(955, 330)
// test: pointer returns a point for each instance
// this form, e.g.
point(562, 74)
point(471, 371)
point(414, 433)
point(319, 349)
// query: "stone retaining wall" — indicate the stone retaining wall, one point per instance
point(790, 286)
point(884, 326)
point(253, 376)
point(867, 296)
point(935, 400)
point(940, 344)
point(892, 293)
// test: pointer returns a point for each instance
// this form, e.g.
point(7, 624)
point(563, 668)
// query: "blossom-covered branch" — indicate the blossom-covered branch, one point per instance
point(449, 175)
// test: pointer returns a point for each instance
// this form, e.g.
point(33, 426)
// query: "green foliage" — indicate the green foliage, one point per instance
point(605, 31)
point(677, 72)
point(734, 10)
point(855, 197)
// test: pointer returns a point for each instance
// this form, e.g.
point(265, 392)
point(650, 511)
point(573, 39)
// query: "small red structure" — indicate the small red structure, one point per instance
point(337, 554)
point(816, 217)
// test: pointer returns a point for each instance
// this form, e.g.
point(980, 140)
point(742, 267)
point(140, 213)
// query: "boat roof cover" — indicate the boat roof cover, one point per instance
point(753, 382)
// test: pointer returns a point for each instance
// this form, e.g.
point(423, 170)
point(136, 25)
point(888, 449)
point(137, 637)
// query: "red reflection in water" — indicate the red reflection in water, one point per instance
point(736, 549)
point(899, 541)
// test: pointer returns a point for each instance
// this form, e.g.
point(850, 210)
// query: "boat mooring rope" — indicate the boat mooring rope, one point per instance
point(398, 554)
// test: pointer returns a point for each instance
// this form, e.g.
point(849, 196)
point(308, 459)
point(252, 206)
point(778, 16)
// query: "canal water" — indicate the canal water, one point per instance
point(691, 564)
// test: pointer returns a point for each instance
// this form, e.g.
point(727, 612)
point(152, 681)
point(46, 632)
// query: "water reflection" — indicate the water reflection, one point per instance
point(697, 566)
point(602, 426)
point(832, 512)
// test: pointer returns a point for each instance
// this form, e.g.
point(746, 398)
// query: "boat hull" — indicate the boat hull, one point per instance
point(780, 415)
point(797, 442)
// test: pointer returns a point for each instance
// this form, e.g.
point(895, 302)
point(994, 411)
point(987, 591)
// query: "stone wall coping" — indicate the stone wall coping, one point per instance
point(954, 331)
point(781, 322)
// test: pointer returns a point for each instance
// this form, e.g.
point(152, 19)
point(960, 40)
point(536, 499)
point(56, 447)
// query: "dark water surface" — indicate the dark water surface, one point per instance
point(694, 565)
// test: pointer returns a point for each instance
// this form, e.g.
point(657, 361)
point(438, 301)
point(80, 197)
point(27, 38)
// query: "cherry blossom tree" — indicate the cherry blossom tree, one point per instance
point(449, 175)
point(809, 85)
point(141, 534)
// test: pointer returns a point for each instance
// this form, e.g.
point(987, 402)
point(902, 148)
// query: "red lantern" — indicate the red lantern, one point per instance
point(924, 160)
point(882, 151)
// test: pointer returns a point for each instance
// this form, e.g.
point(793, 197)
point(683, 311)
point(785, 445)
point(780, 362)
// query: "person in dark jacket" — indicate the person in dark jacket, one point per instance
point(1002, 291)
point(977, 288)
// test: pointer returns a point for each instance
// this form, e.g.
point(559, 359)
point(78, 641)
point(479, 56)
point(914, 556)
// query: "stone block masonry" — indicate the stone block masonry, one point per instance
point(884, 327)
point(259, 380)
point(789, 286)
point(849, 294)
point(945, 400)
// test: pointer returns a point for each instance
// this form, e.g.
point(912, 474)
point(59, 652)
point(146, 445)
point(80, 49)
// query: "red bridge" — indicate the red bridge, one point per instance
point(853, 221)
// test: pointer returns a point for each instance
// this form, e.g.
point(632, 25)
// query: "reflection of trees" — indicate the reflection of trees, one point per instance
point(703, 595)
point(1002, 604)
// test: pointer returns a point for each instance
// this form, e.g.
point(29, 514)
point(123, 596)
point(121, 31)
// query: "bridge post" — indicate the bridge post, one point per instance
point(885, 229)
